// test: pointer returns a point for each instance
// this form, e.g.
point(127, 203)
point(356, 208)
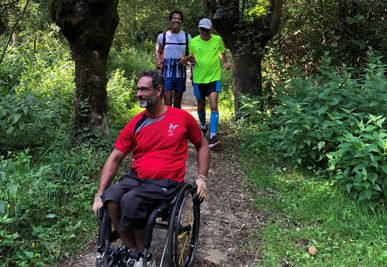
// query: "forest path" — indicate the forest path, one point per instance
point(228, 216)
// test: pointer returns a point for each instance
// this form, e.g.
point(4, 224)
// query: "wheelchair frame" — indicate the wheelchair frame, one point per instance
point(181, 219)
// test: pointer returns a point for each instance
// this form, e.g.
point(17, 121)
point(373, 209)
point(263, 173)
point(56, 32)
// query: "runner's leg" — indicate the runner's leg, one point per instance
point(214, 117)
point(177, 99)
point(201, 109)
point(168, 86)
point(168, 98)
point(178, 91)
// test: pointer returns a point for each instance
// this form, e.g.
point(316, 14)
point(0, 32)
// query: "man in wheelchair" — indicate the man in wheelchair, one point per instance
point(157, 137)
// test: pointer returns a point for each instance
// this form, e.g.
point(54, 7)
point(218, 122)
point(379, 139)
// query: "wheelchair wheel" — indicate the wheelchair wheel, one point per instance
point(103, 239)
point(109, 256)
point(183, 229)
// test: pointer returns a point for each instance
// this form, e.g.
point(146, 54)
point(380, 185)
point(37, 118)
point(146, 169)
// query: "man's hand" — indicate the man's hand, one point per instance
point(97, 204)
point(226, 65)
point(192, 59)
point(183, 61)
point(159, 64)
point(201, 182)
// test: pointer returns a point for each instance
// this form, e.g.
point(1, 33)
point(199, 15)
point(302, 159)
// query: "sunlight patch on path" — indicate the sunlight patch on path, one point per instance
point(189, 101)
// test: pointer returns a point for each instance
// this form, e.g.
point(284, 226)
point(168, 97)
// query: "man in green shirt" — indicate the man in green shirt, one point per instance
point(206, 51)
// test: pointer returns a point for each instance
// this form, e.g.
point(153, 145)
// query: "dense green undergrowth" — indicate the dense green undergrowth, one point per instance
point(303, 211)
point(47, 183)
point(333, 123)
point(317, 162)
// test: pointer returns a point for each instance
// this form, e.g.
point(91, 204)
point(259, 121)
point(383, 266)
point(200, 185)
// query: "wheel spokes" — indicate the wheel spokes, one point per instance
point(185, 232)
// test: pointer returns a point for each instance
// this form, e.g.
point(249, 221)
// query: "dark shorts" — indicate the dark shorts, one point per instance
point(202, 90)
point(138, 197)
point(175, 84)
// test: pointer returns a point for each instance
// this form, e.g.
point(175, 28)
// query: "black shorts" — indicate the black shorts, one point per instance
point(201, 90)
point(138, 197)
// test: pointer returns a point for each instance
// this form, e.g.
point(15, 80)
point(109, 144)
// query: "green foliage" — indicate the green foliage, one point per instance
point(24, 121)
point(42, 208)
point(257, 9)
point(121, 95)
point(47, 183)
point(360, 161)
point(302, 211)
point(226, 97)
point(314, 112)
point(324, 113)
point(36, 94)
point(346, 29)
point(141, 22)
point(331, 122)
point(123, 67)
point(250, 110)
point(130, 60)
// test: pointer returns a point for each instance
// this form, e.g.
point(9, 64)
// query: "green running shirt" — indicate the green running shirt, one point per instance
point(207, 55)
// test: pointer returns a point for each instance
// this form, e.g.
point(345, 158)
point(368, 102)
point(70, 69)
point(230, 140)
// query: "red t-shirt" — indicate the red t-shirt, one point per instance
point(159, 144)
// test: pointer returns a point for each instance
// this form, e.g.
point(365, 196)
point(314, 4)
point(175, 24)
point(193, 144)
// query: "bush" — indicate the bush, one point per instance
point(36, 95)
point(315, 113)
point(121, 95)
point(130, 60)
point(360, 161)
point(332, 123)
point(43, 208)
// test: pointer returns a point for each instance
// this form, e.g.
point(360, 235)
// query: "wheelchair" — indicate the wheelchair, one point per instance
point(181, 219)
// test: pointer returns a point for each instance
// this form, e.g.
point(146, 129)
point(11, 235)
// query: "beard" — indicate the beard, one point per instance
point(147, 103)
point(143, 103)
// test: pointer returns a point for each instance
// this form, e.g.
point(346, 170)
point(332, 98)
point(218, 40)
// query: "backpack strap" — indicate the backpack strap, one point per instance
point(164, 34)
point(186, 44)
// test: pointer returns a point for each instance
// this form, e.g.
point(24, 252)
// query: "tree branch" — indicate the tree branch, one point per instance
point(275, 17)
point(7, 6)
point(13, 30)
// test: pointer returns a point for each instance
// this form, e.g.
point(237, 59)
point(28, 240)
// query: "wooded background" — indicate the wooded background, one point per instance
point(308, 84)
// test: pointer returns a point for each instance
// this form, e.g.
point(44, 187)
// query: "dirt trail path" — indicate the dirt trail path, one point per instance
point(228, 217)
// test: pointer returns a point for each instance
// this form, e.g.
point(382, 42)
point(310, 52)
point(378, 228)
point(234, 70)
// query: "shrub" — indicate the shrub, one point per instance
point(332, 123)
point(121, 95)
point(314, 113)
point(27, 121)
point(360, 161)
point(36, 94)
point(43, 208)
point(130, 60)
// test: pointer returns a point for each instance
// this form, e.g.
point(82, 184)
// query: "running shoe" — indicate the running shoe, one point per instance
point(214, 142)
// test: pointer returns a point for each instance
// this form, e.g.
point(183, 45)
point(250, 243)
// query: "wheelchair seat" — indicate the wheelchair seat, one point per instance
point(181, 219)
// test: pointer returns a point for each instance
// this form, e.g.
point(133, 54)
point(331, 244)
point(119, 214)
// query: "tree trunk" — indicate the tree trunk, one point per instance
point(246, 39)
point(89, 29)
point(91, 104)
point(246, 76)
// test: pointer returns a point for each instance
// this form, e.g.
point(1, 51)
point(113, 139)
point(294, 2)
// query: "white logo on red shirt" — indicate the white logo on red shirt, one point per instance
point(171, 129)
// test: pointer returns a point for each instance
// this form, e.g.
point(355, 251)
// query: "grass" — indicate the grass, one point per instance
point(305, 211)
